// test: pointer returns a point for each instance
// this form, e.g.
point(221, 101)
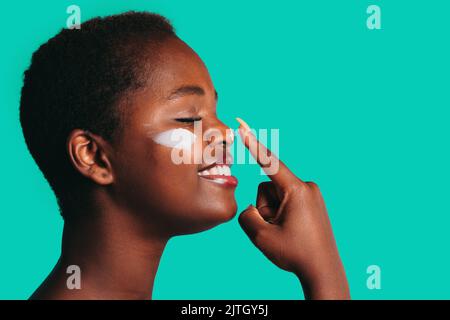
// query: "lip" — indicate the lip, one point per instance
point(227, 181)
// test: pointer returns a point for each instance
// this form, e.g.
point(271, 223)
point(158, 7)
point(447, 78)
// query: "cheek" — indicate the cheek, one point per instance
point(146, 177)
point(172, 194)
point(167, 178)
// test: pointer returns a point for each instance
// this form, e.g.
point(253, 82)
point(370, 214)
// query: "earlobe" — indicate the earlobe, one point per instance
point(88, 156)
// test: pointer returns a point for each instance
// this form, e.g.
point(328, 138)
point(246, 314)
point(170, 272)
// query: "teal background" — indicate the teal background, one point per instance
point(363, 113)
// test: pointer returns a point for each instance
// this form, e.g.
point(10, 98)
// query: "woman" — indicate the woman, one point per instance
point(100, 109)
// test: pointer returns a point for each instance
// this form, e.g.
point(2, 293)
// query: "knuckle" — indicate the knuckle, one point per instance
point(313, 186)
point(295, 188)
point(243, 217)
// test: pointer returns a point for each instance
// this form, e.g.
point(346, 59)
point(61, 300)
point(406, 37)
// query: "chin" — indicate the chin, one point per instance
point(208, 219)
point(226, 215)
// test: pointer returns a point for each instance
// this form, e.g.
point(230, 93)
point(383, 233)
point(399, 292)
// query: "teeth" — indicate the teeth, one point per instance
point(216, 170)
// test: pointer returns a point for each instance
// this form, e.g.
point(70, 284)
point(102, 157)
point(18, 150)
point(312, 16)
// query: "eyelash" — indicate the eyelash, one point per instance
point(194, 119)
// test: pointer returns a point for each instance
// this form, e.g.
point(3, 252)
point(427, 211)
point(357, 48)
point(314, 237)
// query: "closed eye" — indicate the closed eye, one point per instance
point(184, 120)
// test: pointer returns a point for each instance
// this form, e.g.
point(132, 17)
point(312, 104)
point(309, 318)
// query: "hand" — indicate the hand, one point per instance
point(290, 225)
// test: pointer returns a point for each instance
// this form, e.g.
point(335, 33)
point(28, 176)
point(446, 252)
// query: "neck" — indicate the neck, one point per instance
point(117, 258)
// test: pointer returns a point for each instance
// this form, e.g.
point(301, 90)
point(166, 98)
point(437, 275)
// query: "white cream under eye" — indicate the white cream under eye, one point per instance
point(176, 138)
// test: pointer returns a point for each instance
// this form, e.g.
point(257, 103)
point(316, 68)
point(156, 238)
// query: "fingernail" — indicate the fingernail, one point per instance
point(243, 124)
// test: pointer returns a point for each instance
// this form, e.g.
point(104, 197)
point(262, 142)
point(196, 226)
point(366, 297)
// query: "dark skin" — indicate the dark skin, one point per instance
point(138, 198)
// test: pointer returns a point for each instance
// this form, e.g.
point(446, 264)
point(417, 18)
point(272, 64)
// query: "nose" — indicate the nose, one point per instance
point(217, 133)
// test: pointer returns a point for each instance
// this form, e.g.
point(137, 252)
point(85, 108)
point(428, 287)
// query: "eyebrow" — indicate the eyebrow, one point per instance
point(188, 90)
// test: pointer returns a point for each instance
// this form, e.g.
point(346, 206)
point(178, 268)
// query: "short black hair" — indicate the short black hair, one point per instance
point(76, 80)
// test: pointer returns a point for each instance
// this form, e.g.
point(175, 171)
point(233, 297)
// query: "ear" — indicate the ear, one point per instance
point(88, 155)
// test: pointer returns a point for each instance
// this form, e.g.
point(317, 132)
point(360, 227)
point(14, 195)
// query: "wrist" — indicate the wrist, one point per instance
point(329, 283)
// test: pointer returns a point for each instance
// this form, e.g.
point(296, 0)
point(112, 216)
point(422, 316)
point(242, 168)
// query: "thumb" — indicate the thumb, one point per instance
point(252, 222)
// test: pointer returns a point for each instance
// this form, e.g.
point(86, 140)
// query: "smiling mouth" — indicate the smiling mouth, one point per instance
point(219, 174)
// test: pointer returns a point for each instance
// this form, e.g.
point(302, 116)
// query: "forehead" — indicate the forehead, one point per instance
point(178, 65)
point(174, 65)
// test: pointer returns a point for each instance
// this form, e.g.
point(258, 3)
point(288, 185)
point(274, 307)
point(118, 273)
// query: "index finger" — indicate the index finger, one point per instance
point(281, 176)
